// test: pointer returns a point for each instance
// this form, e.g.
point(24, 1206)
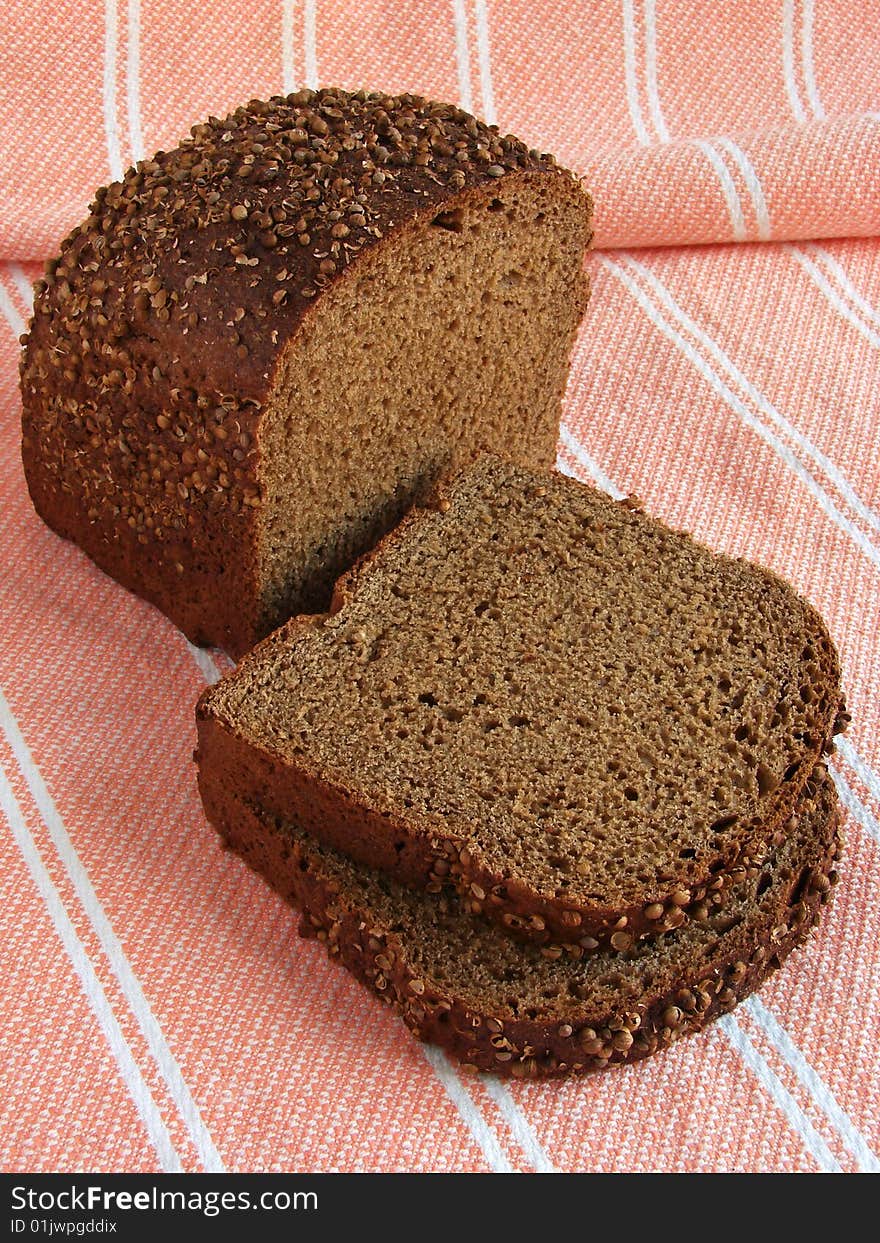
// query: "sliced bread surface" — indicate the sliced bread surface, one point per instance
point(522, 1010)
point(584, 719)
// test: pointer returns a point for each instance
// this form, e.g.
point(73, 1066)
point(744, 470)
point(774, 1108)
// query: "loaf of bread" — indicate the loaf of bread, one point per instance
point(262, 346)
point(586, 720)
point(527, 1011)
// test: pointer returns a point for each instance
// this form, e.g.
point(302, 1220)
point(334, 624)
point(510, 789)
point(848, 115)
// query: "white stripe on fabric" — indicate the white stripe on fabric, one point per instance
point(10, 313)
point(753, 185)
point(854, 805)
point(820, 280)
point(809, 68)
point(728, 189)
point(22, 284)
point(817, 1088)
point(839, 273)
point(762, 403)
point(111, 126)
point(788, 1106)
point(629, 67)
point(651, 70)
point(310, 23)
point(206, 663)
point(788, 61)
point(133, 80)
point(782, 450)
point(483, 1135)
point(462, 56)
point(130, 1074)
point(859, 766)
point(128, 982)
point(484, 61)
point(732, 199)
point(520, 1127)
point(593, 469)
point(288, 76)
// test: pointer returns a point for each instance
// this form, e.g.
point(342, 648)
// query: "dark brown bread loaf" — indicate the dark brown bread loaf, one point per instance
point(524, 1011)
point(584, 719)
point(260, 347)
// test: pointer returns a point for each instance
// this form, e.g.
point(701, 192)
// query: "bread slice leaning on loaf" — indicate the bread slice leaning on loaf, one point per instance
point(262, 346)
point(585, 720)
point(499, 1006)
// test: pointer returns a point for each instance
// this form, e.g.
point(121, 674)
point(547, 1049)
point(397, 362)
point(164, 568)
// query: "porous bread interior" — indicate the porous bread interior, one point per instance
point(460, 955)
point(452, 337)
point(594, 704)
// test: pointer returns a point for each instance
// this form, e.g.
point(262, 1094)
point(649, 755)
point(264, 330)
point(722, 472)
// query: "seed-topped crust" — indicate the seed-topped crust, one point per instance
point(506, 1009)
point(158, 329)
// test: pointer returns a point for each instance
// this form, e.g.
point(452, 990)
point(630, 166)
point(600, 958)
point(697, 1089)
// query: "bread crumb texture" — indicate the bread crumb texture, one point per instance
point(587, 721)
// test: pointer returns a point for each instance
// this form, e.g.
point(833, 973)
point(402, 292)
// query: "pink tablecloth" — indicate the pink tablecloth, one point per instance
point(157, 1011)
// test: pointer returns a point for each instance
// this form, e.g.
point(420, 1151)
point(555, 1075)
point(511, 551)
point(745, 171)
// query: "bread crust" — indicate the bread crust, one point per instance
point(424, 853)
point(158, 333)
point(579, 1042)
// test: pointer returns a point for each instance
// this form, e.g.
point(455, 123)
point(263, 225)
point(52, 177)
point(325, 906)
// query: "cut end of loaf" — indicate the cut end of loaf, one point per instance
point(452, 340)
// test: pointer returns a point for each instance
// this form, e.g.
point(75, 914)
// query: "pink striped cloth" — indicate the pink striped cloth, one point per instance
point(158, 1012)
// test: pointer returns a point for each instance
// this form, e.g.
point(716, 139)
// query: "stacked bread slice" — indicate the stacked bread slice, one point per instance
point(547, 776)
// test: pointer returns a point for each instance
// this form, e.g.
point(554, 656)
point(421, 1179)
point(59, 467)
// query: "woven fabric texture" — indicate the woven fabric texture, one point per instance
point(158, 1012)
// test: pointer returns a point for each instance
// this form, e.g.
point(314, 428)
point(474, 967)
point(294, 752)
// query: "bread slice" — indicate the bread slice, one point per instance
point(262, 346)
point(584, 719)
point(521, 1010)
